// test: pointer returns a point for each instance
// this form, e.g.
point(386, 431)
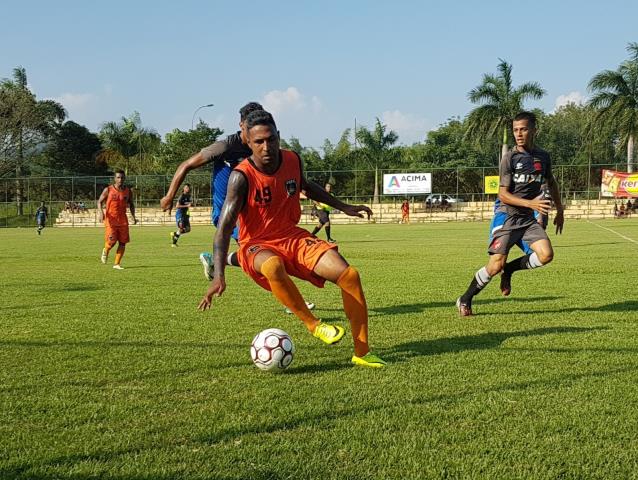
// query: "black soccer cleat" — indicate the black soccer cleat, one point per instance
point(464, 309)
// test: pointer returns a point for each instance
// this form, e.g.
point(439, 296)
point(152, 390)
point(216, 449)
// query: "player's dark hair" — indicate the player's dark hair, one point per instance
point(260, 117)
point(187, 185)
point(119, 171)
point(248, 109)
point(529, 116)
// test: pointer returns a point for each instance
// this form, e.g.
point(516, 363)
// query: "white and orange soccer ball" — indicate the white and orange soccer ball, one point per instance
point(272, 349)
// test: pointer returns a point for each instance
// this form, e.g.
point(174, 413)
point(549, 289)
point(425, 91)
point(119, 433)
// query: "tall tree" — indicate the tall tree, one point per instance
point(179, 145)
point(73, 150)
point(377, 146)
point(500, 102)
point(25, 125)
point(616, 99)
point(130, 146)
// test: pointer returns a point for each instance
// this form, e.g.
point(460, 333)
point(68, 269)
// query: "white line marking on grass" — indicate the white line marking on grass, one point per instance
point(614, 231)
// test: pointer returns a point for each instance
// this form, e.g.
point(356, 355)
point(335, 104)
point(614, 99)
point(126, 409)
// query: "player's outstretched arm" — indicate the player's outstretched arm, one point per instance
point(186, 166)
point(100, 203)
point(315, 192)
point(554, 191)
point(235, 200)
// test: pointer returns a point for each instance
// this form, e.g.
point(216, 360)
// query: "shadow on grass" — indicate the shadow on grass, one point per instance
point(24, 470)
point(626, 306)
point(136, 267)
point(587, 244)
point(483, 341)
point(31, 306)
point(421, 307)
point(409, 308)
point(79, 287)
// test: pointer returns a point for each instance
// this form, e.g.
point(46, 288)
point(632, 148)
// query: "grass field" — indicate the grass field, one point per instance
point(115, 375)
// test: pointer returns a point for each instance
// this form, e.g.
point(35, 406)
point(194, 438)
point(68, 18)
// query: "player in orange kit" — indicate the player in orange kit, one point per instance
point(263, 194)
point(117, 198)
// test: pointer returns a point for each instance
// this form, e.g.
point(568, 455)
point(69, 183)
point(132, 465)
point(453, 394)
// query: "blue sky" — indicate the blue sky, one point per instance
point(316, 65)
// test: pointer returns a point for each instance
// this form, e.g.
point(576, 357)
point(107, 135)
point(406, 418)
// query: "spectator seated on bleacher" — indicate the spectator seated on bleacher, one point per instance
point(620, 212)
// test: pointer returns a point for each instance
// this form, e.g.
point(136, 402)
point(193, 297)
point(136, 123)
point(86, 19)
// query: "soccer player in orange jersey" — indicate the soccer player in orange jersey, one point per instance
point(263, 194)
point(117, 197)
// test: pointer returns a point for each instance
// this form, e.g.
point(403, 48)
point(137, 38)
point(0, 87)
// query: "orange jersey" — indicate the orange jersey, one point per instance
point(116, 204)
point(272, 208)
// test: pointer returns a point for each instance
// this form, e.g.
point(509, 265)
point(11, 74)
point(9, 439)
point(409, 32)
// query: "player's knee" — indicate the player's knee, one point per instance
point(494, 268)
point(273, 268)
point(350, 277)
point(546, 257)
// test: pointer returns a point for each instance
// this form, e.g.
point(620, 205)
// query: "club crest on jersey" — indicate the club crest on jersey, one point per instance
point(291, 187)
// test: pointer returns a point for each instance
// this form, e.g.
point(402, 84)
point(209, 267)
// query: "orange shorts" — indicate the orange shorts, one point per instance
point(116, 234)
point(300, 252)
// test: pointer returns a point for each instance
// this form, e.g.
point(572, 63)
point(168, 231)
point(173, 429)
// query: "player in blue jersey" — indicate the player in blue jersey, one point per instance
point(41, 215)
point(224, 156)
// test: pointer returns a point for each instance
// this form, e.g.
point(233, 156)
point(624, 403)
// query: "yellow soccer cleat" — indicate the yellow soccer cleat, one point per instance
point(328, 333)
point(369, 360)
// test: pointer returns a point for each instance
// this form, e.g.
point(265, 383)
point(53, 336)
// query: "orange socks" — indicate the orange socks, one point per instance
point(287, 292)
point(354, 304)
point(119, 254)
point(107, 247)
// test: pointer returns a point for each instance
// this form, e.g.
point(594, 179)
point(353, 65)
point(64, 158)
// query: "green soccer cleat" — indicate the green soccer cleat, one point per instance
point(328, 333)
point(369, 360)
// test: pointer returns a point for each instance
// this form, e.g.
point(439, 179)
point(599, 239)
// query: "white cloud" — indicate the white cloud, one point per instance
point(576, 98)
point(75, 102)
point(290, 100)
point(411, 128)
point(82, 108)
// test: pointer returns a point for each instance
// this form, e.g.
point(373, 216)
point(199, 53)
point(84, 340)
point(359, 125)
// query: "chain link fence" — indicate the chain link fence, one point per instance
point(20, 197)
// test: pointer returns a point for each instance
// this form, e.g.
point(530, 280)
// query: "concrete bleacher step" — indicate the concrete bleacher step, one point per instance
point(386, 213)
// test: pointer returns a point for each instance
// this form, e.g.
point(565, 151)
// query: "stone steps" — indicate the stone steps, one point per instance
point(386, 213)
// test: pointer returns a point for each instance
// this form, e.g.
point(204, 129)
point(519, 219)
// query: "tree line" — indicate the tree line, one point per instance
point(37, 139)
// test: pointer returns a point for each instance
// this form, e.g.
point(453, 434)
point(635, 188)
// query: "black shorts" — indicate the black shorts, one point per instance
point(323, 216)
point(183, 221)
point(505, 236)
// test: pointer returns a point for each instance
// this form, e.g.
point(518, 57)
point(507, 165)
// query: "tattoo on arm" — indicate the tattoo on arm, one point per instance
point(235, 200)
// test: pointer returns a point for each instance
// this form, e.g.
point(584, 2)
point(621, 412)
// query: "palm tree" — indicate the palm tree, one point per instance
point(500, 104)
point(376, 145)
point(26, 123)
point(125, 140)
point(616, 99)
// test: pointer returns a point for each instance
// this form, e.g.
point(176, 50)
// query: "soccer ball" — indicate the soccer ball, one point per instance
point(272, 349)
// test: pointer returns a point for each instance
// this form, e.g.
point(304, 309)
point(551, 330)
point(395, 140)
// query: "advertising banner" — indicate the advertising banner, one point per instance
point(491, 184)
point(619, 184)
point(402, 183)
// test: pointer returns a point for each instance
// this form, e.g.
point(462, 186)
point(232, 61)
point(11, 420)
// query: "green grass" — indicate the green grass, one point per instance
point(115, 375)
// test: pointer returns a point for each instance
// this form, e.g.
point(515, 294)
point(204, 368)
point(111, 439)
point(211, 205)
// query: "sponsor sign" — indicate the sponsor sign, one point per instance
point(619, 184)
point(402, 183)
point(491, 184)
